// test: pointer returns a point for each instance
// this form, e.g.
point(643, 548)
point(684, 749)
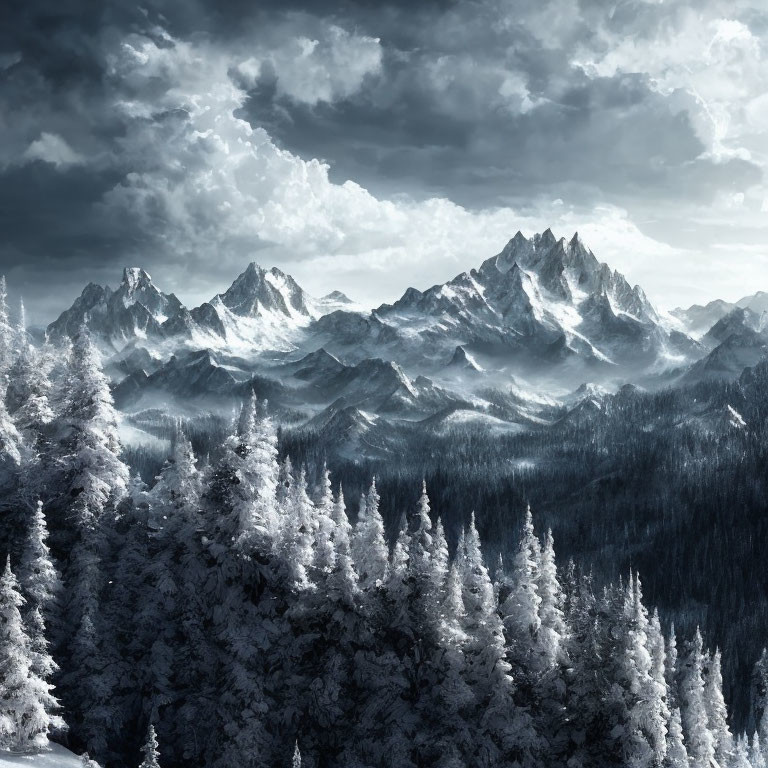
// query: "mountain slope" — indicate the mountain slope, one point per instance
point(543, 304)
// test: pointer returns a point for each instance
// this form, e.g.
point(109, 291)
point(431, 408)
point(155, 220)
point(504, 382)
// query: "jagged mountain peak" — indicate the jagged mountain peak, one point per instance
point(258, 290)
point(135, 277)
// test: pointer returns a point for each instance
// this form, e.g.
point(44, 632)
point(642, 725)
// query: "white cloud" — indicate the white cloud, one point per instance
point(52, 148)
point(327, 67)
point(210, 189)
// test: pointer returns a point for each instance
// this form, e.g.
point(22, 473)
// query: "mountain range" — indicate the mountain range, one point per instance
point(537, 332)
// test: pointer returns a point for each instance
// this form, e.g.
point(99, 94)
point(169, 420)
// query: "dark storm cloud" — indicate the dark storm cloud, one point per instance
point(484, 102)
point(613, 136)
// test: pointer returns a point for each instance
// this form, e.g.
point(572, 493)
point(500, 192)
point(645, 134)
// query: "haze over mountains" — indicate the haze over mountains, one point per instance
point(509, 345)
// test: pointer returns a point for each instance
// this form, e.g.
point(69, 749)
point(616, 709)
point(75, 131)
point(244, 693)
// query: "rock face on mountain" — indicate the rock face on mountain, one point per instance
point(136, 309)
point(261, 308)
point(541, 303)
point(506, 341)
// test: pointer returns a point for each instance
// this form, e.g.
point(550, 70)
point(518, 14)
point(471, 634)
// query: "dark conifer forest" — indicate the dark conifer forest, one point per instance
point(260, 607)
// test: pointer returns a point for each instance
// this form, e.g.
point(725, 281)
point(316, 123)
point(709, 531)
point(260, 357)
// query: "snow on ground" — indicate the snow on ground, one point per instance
point(58, 757)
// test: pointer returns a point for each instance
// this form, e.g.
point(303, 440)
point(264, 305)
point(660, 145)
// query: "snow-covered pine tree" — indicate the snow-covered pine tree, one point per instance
point(298, 533)
point(677, 755)
point(176, 575)
point(296, 762)
point(440, 557)
point(757, 757)
point(150, 750)
point(6, 335)
point(242, 591)
point(699, 740)
point(244, 483)
point(369, 547)
point(758, 694)
point(740, 757)
point(41, 586)
point(83, 494)
point(27, 706)
point(553, 631)
point(343, 580)
point(717, 712)
point(520, 610)
point(14, 458)
point(324, 551)
point(92, 474)
point(504, 732)
point(645, 744)
point(397, 572)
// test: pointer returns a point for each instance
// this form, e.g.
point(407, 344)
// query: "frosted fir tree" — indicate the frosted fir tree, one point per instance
point(241, 494)
point(740, 756)
point(645, 744)
point(671, 669)
point(509, 730)
point(298, 534)
point(398, 567)
point(757, 757)
point(27, 705)
point(421, 543)
point(758, 694)
point(29, 392)
point(150, 750)
point(343, 579)
point(717, 712)
point(677, 755)
point(520, 610)
point(324, 555)
point(42, 587)
point(553, 631)
point(369, 547)
point(440, 560)
point(94, 474)
point(21, 336)
point(14, 459)
point(453, 614)
point(175, 497)
point(296, 762)
point(6, 334)
point(693, 705)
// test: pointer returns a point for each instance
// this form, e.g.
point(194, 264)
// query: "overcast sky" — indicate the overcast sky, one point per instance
point(370, 145)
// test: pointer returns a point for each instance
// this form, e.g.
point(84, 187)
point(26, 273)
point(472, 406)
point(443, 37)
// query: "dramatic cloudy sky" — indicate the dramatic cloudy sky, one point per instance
point(369, 145)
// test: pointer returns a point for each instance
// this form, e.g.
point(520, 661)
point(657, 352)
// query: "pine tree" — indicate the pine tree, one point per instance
point(298, 534)
point(520, 610)
point(42, 587)
point(6, 335)
point(553, 630)
point(758, 691)
point(645, 745)
point(740, 757)
point(296, 762)
point(26, 702)
point(369, 548)
point(343, 580)
point(14, 458)
point(717, 712)
point(150, 751)
point(94, 475)
point(693, 706)
point(508, 733)
point(324, 555)
point(87, 487)
point(756, 754)
point(677, 755)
